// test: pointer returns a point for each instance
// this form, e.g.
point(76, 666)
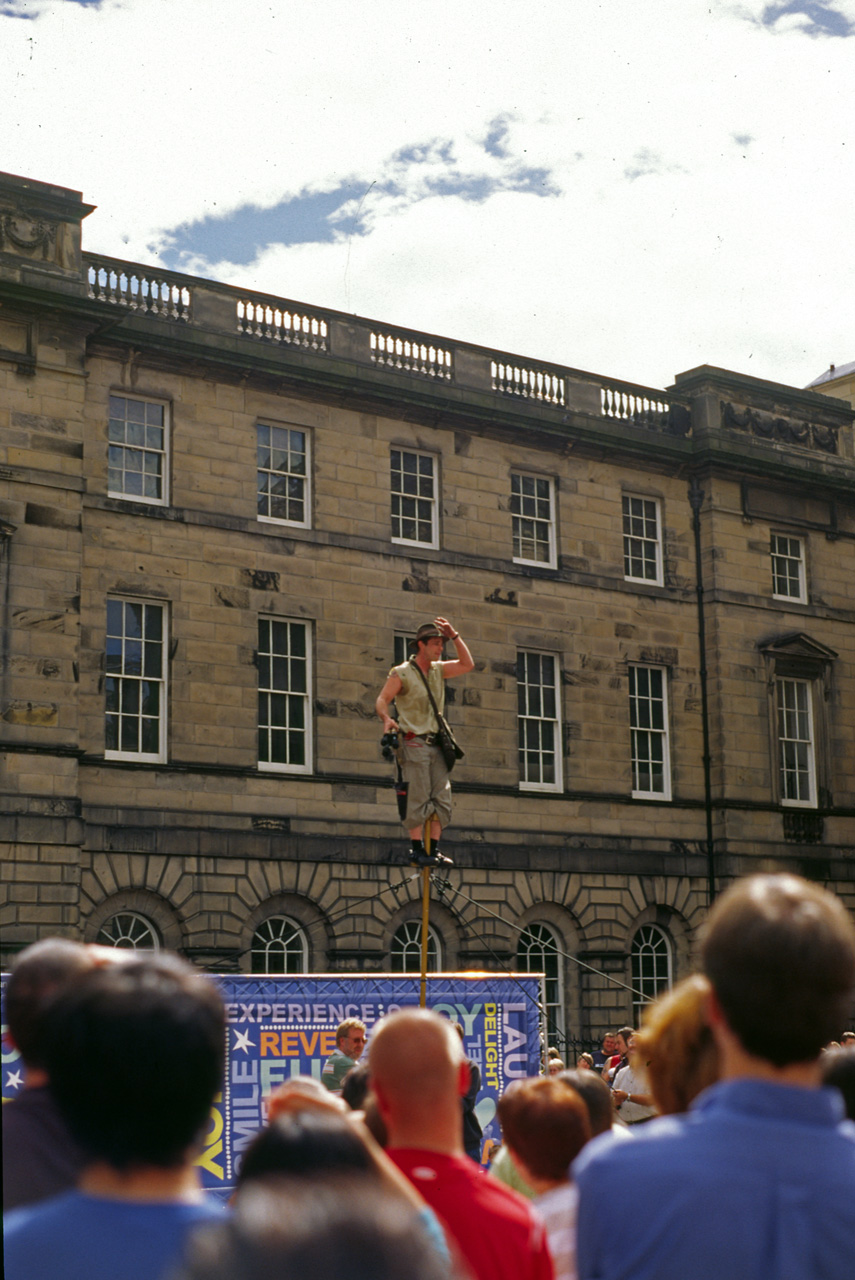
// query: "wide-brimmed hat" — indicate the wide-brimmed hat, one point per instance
point(430, 631)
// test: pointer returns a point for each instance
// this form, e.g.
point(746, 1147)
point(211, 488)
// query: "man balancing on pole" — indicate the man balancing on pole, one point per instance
point(422, 763)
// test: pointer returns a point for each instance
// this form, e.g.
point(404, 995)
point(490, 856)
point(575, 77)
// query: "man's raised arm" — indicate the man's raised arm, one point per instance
point(464, 662)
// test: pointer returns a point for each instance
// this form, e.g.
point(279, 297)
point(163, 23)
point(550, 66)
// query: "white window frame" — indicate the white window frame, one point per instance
point(143, 447)
point(539, 951)
point(787, 697)
point(527, 693)
point(406, 944)
point(527, 509)
point(637, 537)
point(270, 689)
point(637, 725)
point(398, 497)
point(291, 931)
point(290, 477)
point(126, 677)
point(650, 943)
point(782, 547)
point(130, 931)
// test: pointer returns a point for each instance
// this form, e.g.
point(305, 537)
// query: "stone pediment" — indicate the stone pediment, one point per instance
point(797, 645)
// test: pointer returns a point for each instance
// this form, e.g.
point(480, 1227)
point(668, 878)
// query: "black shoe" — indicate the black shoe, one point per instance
point(431, 860)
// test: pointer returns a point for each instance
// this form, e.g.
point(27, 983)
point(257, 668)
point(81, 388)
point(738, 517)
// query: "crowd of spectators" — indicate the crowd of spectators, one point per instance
point(710, 1142)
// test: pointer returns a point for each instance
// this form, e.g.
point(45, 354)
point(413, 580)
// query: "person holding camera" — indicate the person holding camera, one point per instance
point(417, 688)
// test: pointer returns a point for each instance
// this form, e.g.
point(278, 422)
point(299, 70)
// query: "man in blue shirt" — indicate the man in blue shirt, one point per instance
point(135, 1055)
point(758, 1180)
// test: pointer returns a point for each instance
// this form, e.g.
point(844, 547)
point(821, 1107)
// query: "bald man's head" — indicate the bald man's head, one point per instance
point(418, 1073)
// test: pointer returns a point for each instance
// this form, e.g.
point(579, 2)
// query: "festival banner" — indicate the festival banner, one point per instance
point(284, 1026)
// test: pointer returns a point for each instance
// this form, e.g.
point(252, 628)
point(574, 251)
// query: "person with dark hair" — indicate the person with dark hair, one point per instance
point(315, 1227)
point(473, 1134)
point(629, 1084)
point(311, 1132)
point(40, 1157)
point(304, 1143)
point(419, 1074)
point(758, 1179)
point(595, 1094)
point(411, 685)
point(355, 1086)
point(807, 936)
point(603, 1056)
point(620, 1058)
point(374, 1122)
point(545, 1125)
point(135, 1057)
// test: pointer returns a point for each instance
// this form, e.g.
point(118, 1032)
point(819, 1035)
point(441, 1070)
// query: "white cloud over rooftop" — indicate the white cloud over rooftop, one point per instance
point(629, 187)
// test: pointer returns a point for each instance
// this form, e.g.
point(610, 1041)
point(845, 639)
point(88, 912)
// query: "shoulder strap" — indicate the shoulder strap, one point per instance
point(414, 664)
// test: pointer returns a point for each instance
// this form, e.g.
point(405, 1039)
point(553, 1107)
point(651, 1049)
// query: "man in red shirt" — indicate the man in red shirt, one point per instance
point(419, 1074)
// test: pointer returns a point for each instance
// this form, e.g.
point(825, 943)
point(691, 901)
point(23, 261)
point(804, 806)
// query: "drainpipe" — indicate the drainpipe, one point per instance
point(696, 497)
point(6, 532)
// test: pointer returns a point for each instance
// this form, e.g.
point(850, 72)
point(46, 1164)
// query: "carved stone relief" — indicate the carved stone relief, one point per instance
point(808, 435)
point(28, 234)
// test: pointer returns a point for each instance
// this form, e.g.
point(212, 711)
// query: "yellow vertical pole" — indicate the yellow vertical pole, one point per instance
point(425, 916)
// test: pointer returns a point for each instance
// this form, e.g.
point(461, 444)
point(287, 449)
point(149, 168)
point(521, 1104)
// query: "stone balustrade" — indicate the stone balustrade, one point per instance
point(642, 407)
point(409, 354)
point(144, 289)
point(278, 322)
point(274, 321)
point(514, 379)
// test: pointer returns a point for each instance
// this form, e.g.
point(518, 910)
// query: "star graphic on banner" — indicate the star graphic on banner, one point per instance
point(14, 1080)
point(242, 1041)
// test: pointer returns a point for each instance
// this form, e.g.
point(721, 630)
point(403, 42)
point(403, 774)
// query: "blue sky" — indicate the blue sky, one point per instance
point(629, 186)
point(814, 18)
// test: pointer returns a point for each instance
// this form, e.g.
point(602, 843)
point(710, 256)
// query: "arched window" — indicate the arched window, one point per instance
point(279, 946)
point(651, 967)
point(130, 930)
point(538, 952)
point(406, 949)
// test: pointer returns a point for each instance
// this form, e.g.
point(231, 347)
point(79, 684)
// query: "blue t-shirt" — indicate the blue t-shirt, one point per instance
point(82, 1237)
point(756, 1182)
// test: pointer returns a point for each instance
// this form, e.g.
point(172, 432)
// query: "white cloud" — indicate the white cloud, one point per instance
point(712, 249)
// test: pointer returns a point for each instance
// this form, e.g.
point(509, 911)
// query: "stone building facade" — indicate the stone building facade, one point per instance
point(222, 514)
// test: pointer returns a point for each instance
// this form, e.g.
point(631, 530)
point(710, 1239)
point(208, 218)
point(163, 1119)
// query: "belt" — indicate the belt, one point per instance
point(429, 738)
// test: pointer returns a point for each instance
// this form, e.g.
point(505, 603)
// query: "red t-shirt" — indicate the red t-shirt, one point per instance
point(496, 1231)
